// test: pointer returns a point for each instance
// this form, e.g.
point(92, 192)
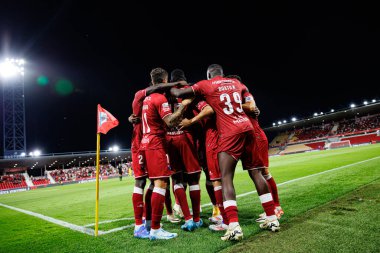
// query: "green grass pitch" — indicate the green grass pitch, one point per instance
point(335, 211)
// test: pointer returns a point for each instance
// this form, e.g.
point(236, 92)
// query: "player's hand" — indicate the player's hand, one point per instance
point(257, 111)
point(182, 83)
point(187, 101)
point(134, 119)
point(184, 123)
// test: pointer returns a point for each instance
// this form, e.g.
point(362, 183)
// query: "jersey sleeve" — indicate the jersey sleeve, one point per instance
point(138, 100)
point(246, 94)
point(199, 88)
point(163, 106)
point(200, 105)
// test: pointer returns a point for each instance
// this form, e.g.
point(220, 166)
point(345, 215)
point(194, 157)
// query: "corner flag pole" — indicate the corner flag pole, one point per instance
point(97, 185)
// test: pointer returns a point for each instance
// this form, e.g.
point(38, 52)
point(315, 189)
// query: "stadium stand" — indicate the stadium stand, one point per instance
point(320, 134)
point(12, 181)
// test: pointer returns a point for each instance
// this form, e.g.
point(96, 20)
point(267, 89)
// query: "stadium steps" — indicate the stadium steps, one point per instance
point(51, 179)
point(28, 181)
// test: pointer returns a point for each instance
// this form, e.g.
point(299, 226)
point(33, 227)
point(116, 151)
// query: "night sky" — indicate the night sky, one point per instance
point(296, 58)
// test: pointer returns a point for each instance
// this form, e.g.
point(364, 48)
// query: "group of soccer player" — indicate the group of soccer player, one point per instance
point(180, 129)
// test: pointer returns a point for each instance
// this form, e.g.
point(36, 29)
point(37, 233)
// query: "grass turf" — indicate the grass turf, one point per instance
point(75, 204)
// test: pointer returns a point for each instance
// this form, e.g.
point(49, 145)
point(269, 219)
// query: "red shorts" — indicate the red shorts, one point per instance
point(256, 155)
point(156, 162)
point(138, 165)
point(183, 156)
point(260, 154)
point(235, 145)
point(213, 165)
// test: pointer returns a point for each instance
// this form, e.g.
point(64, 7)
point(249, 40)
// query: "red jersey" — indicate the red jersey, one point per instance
point(155, 108)
point(136, 110)
point(224, 95)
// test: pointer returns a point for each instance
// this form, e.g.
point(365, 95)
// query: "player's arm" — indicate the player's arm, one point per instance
point(206, 112)
point(249, 102)
point(181, 93)
point(174, 119)
point(163, 87)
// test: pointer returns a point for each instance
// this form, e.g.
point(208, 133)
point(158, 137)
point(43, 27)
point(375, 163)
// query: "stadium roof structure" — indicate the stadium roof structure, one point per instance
point(64, 160)
point(328, 117)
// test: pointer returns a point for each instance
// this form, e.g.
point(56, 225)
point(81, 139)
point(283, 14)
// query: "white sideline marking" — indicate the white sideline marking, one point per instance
point(108, 221)
point(301, 178)
point(53, 220)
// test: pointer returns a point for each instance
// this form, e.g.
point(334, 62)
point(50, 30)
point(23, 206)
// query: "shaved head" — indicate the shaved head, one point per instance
point(214, 70)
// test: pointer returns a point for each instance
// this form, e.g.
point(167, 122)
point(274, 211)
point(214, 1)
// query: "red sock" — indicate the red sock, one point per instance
point(138, 204)
point(195, 196)
point(268, 204)
point(179, 191)
point(219, 203)
point(210, 191)
point(148, 205)
point(158, 200)
point(168, 202)
point(231, 210)
point(273, 189)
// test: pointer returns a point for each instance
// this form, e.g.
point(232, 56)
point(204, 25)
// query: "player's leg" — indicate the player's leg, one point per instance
point(221, 224)
point(273, 189)
point(180, 193)
point(158, 169)
point(168, 204)
point(140, 230)
point(211, 194)
point(266, 200)
point(195, 197)
point(227, 166)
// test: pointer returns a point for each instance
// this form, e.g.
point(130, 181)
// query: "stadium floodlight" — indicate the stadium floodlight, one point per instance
point(352, 105)
point(279, 123)
point(23, 154)
point(284, 121)
point(332, 110)
point(373, 100)
point(12, 67)
point(365, 103)
point(294, 119)
point(321, 113)
point(114, 148)
point(274, 124)
point(35, 153)
point(315, 114)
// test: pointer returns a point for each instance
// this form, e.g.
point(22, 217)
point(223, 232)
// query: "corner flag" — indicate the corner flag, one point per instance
point(106, 121)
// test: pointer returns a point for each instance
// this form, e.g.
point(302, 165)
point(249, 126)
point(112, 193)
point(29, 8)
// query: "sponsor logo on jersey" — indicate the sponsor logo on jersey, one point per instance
point(240, 120)
point(223, 81)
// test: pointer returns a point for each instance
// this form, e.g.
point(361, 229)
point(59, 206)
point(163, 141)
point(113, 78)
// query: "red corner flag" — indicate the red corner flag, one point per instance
point(106, 120)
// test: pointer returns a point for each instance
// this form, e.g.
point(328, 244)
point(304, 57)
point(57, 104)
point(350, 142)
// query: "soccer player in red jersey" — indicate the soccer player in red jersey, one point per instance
point(156, 116)
point(206, 115)
point(235, 133)
point(196, 136)
point(260, 152)
point(137, 161)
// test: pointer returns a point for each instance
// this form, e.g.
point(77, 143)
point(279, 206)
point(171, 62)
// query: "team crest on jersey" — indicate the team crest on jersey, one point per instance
point(102, 118)
point(165, 107)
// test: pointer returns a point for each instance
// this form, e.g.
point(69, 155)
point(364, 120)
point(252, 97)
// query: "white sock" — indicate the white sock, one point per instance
point(233, 225)
point(137, 227)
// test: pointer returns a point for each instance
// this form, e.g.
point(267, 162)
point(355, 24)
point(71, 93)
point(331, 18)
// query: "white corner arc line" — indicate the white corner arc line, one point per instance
point(301, 178)
point(52, 220)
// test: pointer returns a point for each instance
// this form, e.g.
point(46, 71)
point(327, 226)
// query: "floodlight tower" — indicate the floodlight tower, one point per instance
point(12, 77)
